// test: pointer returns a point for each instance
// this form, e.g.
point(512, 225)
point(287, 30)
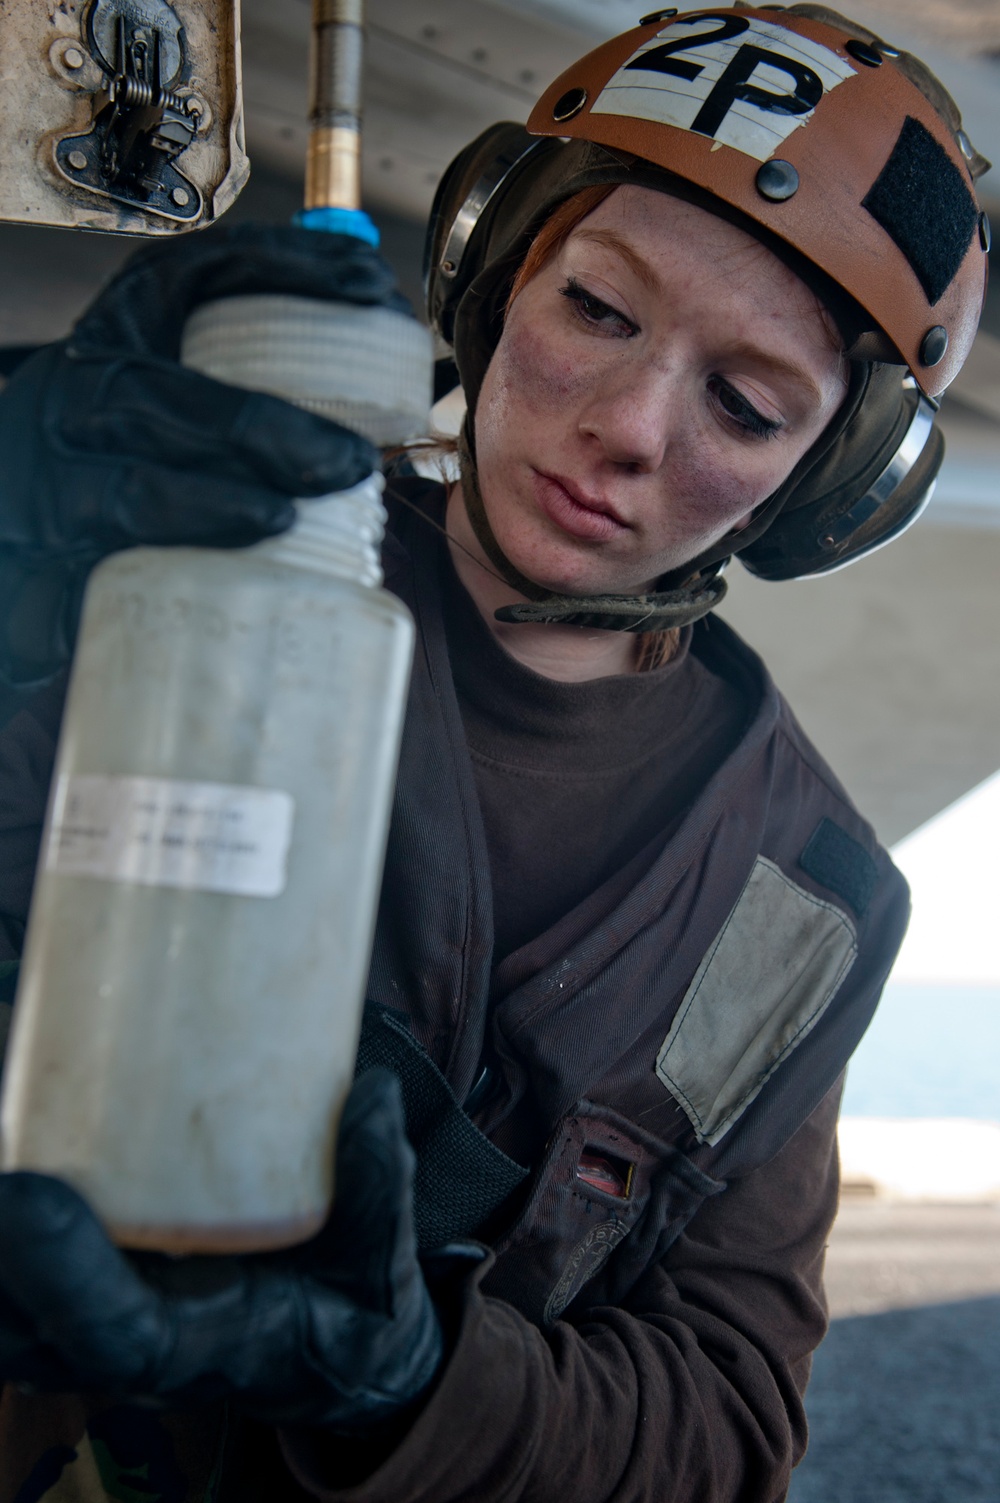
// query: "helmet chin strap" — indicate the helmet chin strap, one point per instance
point(656, 611)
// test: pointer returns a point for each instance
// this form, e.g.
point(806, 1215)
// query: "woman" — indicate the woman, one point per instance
point(631, 927)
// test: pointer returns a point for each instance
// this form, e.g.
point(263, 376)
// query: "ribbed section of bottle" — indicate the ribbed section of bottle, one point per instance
point(368, 368)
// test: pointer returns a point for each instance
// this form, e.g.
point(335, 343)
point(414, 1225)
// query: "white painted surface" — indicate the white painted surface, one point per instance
point(922, 1159)
point(951, 866)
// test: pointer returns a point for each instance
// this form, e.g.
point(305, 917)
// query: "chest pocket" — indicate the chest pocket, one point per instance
point(462, 1179)
point(606, 1201)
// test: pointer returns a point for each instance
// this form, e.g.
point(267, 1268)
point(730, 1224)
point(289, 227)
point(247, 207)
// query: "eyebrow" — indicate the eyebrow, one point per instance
point(740, 351)
point(779, 366)
point(636, 263)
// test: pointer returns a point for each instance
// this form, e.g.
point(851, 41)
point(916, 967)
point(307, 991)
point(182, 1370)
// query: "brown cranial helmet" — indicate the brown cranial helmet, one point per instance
point(842, 154)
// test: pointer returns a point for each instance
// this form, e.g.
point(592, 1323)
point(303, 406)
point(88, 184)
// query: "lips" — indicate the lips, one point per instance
point(571, 509)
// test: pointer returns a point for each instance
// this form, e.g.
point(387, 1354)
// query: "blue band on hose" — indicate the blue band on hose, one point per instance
point(339, 222)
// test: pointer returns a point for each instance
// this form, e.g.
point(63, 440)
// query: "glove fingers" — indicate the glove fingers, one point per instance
point(72, 1287)
point(134, 505)
point(182, 420)
point(235, 1322)
point(23, 1358)
point(42, 602)
point(43, 594)
point(164, 508)
point(369, 1244)
point(19, 1345)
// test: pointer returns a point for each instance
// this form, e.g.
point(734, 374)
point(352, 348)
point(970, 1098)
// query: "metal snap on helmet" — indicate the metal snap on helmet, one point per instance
point(841, 153)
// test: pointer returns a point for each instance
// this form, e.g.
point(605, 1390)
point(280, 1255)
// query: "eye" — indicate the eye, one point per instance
point(598, 314)
point(743, 413)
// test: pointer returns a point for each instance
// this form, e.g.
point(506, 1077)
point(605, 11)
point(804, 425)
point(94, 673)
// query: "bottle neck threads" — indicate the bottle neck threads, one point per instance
point(338, 534)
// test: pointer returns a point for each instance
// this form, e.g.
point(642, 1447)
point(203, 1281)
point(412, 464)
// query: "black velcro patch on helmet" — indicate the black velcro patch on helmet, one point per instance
point(921, 201)
point(835, 860)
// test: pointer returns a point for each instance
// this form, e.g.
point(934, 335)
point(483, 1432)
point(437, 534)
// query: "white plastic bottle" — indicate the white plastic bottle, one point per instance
point(190, 998)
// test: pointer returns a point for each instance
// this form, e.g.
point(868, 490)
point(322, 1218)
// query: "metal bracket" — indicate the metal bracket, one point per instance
point(140, 123)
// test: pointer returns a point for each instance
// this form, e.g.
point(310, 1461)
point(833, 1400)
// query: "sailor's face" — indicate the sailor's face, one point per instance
point(655, 382)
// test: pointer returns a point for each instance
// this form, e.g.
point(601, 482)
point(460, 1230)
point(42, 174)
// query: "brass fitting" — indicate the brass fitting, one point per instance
point(333, 163)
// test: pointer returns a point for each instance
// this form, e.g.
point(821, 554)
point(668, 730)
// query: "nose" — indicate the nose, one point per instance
point(633, 414)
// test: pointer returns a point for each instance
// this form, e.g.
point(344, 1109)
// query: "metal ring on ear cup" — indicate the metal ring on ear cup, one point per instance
point(902, 525)
point(478, 197)
point(479, 179)
point(842, 508)
point(886, 486)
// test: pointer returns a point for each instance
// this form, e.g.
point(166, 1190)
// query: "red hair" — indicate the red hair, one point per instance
point(556, 230)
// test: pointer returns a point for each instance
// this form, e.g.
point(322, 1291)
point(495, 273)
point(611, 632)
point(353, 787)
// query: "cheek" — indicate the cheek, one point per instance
point(529, 378)
point(708, 490)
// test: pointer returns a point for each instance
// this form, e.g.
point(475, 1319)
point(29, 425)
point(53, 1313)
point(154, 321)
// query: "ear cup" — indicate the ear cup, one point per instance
point(860, 490)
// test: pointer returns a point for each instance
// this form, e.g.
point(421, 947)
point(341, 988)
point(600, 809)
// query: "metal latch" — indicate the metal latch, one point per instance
point(120, 115)
point(141, 123)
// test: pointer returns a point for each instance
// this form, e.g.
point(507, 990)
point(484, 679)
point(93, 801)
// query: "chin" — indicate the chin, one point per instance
point(583, 583)
point(567, 567)
point(562, 581)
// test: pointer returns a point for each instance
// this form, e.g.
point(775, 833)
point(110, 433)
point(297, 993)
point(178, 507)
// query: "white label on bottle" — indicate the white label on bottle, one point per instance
point(165, 833)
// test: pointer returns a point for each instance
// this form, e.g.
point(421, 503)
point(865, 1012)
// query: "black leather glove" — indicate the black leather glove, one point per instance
point(341, 1332)
point(108, 442)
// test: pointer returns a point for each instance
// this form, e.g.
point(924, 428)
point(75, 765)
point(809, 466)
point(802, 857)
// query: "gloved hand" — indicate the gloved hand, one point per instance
point(108, 442)
point(340, 1332)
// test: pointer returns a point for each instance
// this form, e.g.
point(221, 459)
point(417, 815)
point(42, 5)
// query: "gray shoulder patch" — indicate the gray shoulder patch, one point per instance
point(766, 980)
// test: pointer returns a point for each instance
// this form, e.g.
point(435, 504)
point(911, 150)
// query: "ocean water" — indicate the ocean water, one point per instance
point(933, 1050)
